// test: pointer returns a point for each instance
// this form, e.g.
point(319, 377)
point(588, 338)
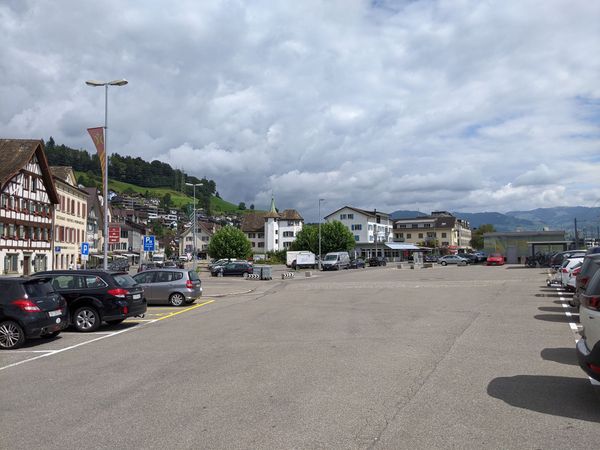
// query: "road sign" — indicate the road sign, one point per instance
point(57, 249)
point(114, 235)
point(148, 242)
point(85, 248)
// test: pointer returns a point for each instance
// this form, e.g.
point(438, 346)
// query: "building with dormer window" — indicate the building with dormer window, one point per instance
point(27, 199)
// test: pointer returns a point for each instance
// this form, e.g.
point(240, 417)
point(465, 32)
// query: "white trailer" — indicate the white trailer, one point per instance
point(301, 259)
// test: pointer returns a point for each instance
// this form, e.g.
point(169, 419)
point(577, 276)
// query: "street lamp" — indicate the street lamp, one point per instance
point(194, 222)
point(96, 83)
point(320, 200)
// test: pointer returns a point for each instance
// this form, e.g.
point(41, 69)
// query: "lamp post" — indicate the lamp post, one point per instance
point(194, 221)
point(96, 83)
point(320, 200)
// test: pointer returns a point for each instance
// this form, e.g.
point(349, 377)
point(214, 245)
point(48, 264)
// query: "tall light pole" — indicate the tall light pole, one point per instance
point(320, 200)
point(194, 221)
point(96, 83)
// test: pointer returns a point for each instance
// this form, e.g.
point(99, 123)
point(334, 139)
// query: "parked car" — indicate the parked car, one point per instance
point(430, 258)
point(221, 262)
point(588, 347)
point(591, 264)
point(453, 259)
point(336, 261)
point(357, 263)
point(170, 264)
point(242, 268)
point(146, 266)
point(29, 308)
point(176, 287)
point(481, 256)
point(572, 280)
point(558, 258)
point(96, 296)
point(567, 266)
point(377, 261)
point(470, 256)
point(495, 259)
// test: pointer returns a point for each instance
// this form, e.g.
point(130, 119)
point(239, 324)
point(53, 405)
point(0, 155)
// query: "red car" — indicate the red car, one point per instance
point(495, 259)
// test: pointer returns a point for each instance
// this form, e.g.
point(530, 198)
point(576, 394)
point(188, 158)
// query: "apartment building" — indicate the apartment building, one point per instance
point(70, 219)
point(27, 199)
point(204, 233)
point(439, 229)
point(372, 230)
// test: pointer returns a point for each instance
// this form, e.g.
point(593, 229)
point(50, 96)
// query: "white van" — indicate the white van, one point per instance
point(336, 261)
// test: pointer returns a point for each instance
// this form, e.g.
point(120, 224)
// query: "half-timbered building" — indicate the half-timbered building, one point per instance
point(27, 199)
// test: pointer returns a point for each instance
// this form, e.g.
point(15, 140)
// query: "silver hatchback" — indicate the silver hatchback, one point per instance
point(176, 287)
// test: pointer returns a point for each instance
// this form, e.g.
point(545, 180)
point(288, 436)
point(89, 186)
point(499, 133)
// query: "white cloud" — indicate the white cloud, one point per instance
point(462, 105)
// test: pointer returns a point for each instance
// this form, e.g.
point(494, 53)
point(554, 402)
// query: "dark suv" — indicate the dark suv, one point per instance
point(94, 296)
point(377, 261)
point(29, 308)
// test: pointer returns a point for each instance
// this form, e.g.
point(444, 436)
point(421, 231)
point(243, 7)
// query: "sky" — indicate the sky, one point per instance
point(423, 105)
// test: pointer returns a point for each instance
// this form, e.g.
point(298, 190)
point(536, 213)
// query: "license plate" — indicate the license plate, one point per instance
point(137, 296)
point(58, 312)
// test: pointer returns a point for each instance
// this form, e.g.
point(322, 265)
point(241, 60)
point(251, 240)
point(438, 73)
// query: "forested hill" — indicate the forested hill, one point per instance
point(127, 169)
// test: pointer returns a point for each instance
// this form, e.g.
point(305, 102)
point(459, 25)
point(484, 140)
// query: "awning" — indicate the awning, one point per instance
point(403, 246)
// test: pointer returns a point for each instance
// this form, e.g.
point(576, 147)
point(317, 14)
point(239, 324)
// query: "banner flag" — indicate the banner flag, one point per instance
point(97, 135)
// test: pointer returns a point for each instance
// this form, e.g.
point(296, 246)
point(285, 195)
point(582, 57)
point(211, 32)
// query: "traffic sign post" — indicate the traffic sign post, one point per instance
point(85, 253)
point(148, 243)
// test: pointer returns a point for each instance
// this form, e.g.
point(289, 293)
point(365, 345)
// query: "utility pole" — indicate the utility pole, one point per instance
point(576, 235)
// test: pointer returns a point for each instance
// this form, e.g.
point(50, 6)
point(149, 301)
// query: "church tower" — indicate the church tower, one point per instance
point(272, 228)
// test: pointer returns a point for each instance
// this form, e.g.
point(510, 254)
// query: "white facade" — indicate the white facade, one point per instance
point(272, 231)
point(70, 220)
point(25, 222)
point(364, 225)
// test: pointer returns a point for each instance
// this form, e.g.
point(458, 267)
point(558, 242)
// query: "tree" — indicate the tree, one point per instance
point(335, 237)
point(252, 206)
point(229, 242)
point(307, 239)
point(166, 201)
point(477, 235)
point(242, 206)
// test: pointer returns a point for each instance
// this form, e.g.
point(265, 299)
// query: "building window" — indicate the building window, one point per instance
point(408, 235)
point(445, 244)
point(351, 216)
point(261, 244)
point(343, 216)
point(286, 244)
point(400, 235)
point(356, 237)
point(371, 238)
point(430, 234)
point(444, 235)
point(401, 225)
point(420, 235)
point(288, 234)
point(356, 227)
point(11, 263)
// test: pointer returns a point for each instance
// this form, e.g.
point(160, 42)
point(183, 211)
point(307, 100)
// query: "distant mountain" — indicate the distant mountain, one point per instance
point(558, 218)
point(501, 222)
point(406, 214)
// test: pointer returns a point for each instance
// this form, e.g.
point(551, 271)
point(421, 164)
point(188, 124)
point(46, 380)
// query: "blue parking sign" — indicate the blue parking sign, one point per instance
point(148, 243)
point(85, 248)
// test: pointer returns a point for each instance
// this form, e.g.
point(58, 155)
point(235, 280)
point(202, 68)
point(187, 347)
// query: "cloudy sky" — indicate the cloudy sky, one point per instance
point(459, 105)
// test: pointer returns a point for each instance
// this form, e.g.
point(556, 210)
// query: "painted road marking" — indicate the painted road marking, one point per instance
point(47, 353)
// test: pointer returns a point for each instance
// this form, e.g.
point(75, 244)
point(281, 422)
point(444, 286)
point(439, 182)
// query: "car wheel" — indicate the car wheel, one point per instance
point(176, 299)
point(114, 322)
point(245, 274)
point(443, 263)
point(86, 319)
point(11, 335)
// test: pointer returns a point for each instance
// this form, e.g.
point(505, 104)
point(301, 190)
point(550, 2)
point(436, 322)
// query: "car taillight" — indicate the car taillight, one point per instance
point(576, 271)
point(189, 284)
point(584, 281)
point(564, 270)
point(591, 302)
point(119, 292)
point(594, 367)
point(26, 305)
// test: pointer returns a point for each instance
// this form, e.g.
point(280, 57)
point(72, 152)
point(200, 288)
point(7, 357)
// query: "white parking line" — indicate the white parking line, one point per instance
point(56, 352)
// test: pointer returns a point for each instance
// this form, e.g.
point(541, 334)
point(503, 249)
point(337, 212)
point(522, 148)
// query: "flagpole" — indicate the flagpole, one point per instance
point(96, 83)
point(105, 176)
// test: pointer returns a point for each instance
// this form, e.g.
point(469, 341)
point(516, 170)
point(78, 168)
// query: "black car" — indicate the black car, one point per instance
point(357, 263)
point(430, 258)
point(232, 268)
point(29, 308)
point(473, 259)
point(377, 261)
point(94, 296)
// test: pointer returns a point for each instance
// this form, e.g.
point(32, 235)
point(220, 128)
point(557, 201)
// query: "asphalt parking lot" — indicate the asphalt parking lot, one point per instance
point(453, 357)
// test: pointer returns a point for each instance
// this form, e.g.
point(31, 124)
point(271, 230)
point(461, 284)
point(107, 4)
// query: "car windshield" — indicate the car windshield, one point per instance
point(124, 280)
point(331, 257)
